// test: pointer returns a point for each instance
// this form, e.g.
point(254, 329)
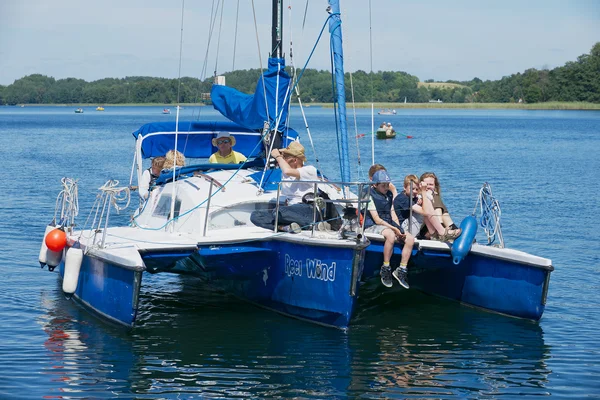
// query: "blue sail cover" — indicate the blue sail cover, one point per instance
point(249, 110)
point(194, 139)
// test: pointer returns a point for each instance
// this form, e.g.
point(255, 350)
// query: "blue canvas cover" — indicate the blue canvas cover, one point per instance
point(195, 138)
point(249, 110)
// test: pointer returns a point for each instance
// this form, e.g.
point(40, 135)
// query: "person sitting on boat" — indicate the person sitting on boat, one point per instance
point(296, 214)
point(173, 158)
point(378, 219)
point(225, 155)
point(389, 128)
point(434, 192)
point(149, 176)
point(378, 167)
point(423, 213)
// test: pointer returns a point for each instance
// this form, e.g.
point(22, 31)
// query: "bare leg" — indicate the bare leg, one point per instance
point(432, 220)
point(409, 242)
point(388, 246)
point(447, 221)
point(439, 216)
point(433, 225)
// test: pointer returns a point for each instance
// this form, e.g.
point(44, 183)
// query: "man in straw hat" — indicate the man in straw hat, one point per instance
point(226, 155)
point(293, 172)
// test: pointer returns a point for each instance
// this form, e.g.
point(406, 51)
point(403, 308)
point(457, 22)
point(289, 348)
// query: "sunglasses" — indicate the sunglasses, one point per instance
point(222, 141)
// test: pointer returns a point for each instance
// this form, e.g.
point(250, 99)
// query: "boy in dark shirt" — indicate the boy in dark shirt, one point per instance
point(378, 219)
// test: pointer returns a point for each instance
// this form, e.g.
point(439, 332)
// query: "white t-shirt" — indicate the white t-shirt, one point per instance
point(295, 190)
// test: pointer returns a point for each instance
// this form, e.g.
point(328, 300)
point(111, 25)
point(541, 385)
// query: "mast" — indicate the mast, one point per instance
point(335, 29)
point(277, 29)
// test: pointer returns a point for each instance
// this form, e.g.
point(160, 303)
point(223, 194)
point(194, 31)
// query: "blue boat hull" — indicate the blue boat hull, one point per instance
point(279, 275)
point(310, 282)
point(499, 285)
point(108, 289)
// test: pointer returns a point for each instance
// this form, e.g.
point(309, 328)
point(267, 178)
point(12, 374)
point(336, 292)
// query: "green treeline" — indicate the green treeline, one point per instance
point(576, 81)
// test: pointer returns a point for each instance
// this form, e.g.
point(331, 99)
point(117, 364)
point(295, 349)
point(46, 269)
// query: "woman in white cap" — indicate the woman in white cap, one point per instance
point(226, 155)
point(291, 161)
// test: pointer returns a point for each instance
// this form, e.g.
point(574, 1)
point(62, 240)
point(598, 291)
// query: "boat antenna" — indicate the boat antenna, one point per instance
point(372, 106)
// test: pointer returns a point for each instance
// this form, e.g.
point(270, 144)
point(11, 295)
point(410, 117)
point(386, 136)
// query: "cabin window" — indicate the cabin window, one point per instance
point(163, 208)
point(235, 216)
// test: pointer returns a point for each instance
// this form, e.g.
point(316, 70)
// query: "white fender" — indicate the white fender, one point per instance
point(73, 261)
point(43, 259)
point(53, 258)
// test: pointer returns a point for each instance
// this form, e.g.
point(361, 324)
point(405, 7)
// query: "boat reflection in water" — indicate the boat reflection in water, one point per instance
point(196, 341)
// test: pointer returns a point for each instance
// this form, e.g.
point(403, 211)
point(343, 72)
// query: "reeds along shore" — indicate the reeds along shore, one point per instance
point(517, 106)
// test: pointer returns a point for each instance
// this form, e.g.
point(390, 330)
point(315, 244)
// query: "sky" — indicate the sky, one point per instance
point(431, 39)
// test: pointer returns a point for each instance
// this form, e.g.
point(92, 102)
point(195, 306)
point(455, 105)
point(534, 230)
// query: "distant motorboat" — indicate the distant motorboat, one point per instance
point(387, 112)
point(166, 111)
point(79, 111)
point(99, 108)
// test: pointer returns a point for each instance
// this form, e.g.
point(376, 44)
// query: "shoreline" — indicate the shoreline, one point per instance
point(377, 106)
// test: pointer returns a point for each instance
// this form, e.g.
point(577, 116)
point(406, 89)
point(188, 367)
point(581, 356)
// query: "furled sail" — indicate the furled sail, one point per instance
point(268, 103)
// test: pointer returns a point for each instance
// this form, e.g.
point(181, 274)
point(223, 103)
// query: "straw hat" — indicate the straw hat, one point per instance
point(294, 149)
point(221, 135)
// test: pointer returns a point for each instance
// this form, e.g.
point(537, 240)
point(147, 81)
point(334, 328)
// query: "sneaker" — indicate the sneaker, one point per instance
point(386, 276)
point(400, 274)
point(292, 228)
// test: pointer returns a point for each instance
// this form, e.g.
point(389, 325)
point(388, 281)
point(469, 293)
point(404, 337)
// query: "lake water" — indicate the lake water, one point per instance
point(191, 342)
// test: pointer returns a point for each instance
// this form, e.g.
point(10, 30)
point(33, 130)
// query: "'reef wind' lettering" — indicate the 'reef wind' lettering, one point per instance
point(315, 269)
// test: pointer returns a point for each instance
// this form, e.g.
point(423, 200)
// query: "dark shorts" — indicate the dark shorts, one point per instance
point(302, 214)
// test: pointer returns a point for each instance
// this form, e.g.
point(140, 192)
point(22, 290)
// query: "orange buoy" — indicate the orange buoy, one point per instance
point(56, 240)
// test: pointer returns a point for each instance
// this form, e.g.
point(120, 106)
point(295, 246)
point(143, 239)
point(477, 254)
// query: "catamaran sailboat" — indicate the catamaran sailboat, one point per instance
point(196, 221)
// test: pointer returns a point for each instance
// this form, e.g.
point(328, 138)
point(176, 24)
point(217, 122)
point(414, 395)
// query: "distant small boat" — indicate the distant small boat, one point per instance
point(166, 111)
point(100, 108)
point(386, 133)
point(387, 112)
point(79, 111)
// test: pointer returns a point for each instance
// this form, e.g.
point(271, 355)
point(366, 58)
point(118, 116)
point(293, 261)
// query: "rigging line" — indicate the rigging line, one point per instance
point(237, 13)
point(211, 26)
point(355, 126)
point(297, 90)
point(205, 63)
point(371, 74)
point(219, 35)
point(305, 12)
point(313, 49)
point(260, 62)
point(335, 103)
